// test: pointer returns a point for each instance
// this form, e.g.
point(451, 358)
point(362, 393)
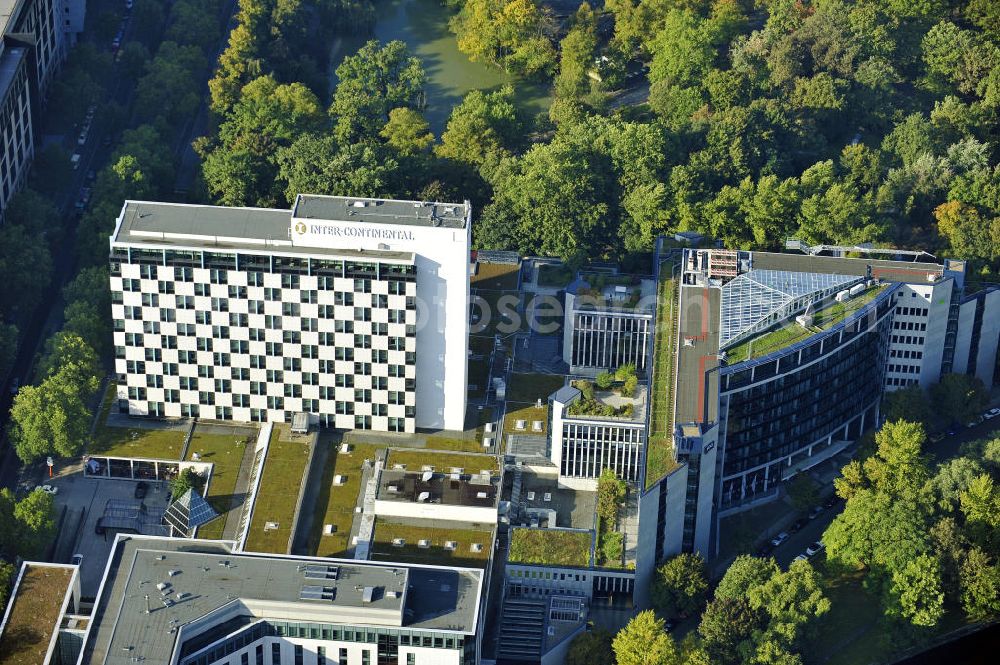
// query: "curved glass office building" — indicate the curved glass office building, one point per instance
point(792, 403)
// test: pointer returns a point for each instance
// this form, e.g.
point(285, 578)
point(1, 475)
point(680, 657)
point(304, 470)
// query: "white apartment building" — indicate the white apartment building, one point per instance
point(352, 310)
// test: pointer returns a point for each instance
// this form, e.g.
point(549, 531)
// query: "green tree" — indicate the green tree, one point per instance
point(680, 586)
point(7, 574)
point(909, 403)
point(980, 504)
point(52, 418)
point(71, 356)
point(967, 232)
point(185, 480)
point(8, 346)
point(952, 478)
point(916, 592)
point(169, 87)
point(727, 627)
point(644, 641)
point(792, 601)
point(576, 56)
point(512, 34)
point(610, 495)
point(958, 397)
point(980, 583)
point(35, 518)
point(240, 167)
point(483, 129)
point(34, 212)
point(744, 573)
point(370, 84)
point(318, 165)
point(803, 492)
point(25, 269)
point(591, 647)
point(407, 131)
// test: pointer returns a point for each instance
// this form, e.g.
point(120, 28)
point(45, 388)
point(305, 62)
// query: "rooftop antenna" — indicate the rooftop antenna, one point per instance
point(147, 604)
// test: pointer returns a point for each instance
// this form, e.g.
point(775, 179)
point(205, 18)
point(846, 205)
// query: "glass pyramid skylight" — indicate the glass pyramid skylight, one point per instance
point(752, 297)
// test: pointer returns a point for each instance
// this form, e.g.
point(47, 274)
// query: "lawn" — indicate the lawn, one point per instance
point(529, 414)
point(498, 311)
point(226, 455)
point(849, 633)
point(283, 475)
point(468, 444)
point(436, 553)
point(660, 448)
point(138, 442)
point(339, 500)
point(495, 276)
point(554, 275)
point(531, 387)
point(415, 460)
point(554, 547)
point(33, 616)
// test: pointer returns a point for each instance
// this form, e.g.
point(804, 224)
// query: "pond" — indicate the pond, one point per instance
point(423, 25)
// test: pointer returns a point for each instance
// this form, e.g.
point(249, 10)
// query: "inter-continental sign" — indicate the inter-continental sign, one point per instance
point(363, 231)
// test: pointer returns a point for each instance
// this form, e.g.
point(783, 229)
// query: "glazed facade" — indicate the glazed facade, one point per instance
point(780, 408)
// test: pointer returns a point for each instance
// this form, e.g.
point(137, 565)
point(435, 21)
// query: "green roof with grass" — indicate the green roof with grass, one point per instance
point(437, 551)
point(335, 503)
point(225, 452)
point(550, 547)
point(442, 462)
point(660, 459)
point(789, 332)
point(34, 615)
point(283, 475)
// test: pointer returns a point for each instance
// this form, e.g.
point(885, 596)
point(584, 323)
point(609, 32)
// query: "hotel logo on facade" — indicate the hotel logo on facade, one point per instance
point(355, 231)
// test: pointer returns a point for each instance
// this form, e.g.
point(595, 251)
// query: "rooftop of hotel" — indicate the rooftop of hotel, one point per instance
point(220, 228)
point(156, 586)
point(381, 211)
point(453, 489)
point(33, 613)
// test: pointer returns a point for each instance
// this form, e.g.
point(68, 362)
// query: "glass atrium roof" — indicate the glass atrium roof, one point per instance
point(751, 297)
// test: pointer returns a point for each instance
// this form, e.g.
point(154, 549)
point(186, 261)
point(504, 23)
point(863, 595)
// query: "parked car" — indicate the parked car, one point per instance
point(15, 385)
point(975, 421)
point(801, 557)
point(798, 524)
point(48, 489)
point(831, 501)
point(117, 41)
point(75, 161)
point(992, 413)
point(765, 550)
point(77, 560)
point(779, 539)
point(936, 437)
point(128, 4)
point(815, 548)
point(141, 489)
point(815, 512)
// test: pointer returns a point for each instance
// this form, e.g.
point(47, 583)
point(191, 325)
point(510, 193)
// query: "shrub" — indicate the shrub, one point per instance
point(604, 380)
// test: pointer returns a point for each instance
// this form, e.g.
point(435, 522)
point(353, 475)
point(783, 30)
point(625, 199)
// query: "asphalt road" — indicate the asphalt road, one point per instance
point(93, 155)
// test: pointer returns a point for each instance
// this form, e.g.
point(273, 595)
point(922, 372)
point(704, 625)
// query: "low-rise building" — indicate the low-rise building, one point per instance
point(191, 602)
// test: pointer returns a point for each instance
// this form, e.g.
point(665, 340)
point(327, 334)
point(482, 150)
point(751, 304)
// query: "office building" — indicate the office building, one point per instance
point(352, 310)
point(781, 361)
point(609, 326)
point(588, 437)
point(36, 36)
point(169, 601)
